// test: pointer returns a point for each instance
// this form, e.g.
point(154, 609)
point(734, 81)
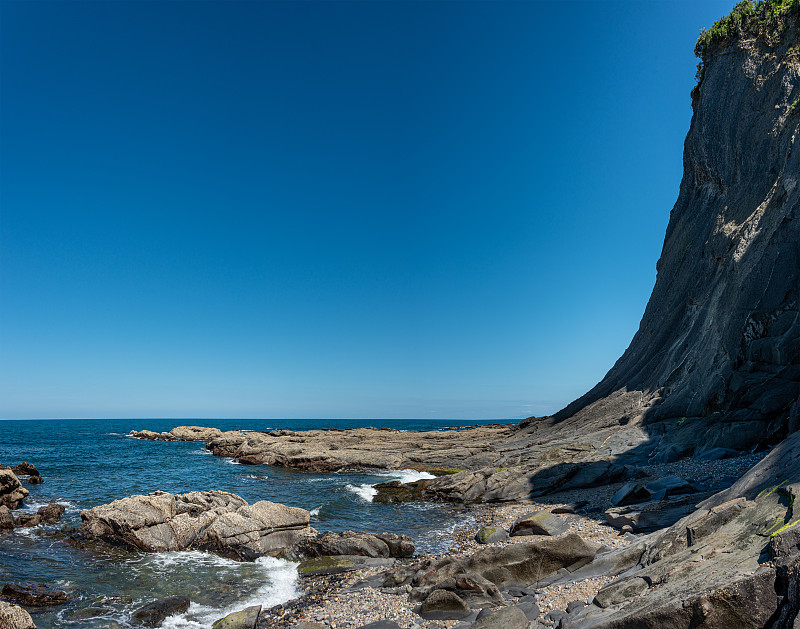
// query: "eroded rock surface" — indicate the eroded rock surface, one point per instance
point(215, 521)
point(14, 617)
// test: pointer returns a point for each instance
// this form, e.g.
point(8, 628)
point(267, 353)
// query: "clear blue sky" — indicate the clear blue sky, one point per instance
point(335, 209)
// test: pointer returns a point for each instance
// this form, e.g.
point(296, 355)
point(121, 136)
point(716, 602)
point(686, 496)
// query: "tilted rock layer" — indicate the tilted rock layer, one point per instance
point(720, 338)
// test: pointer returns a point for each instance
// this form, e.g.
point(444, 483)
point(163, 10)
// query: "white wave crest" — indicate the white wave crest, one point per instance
point(32, 506)
point(366, 492)
point(279, 586)
point(315, 511)
point(406, 476)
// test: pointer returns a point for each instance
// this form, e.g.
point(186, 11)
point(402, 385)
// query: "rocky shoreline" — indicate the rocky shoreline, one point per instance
point(586, 538)
point(583, 557)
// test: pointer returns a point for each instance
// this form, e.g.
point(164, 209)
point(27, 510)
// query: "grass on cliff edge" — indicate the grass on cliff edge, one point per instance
point(766, 19)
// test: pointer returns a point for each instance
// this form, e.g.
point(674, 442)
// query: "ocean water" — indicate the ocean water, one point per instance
point(90, 462)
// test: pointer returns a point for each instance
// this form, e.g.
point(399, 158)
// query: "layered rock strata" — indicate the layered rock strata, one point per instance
point(719, 342)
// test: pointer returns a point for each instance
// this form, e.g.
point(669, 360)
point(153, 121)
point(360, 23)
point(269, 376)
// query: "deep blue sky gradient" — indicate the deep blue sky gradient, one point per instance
point(334, 209)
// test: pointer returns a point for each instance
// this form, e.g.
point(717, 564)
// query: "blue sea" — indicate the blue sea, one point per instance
point(91, 462)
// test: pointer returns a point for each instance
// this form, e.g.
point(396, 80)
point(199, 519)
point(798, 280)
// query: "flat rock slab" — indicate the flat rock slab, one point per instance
point(539, 523)
point(244, 619)
point(214, 521)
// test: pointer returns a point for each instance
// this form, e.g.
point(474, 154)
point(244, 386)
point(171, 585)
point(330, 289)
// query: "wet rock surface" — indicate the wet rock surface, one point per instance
point(153, 614)
point(34, 594)
point(49, 514)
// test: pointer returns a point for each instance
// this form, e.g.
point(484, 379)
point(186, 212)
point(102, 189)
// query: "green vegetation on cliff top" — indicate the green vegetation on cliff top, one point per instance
point(765, 19)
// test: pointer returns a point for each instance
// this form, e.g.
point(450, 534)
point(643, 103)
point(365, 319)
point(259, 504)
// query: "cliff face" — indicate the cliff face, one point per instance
point(720, 337)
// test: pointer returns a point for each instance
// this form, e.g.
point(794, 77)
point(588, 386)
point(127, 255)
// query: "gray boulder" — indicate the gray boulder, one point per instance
point(214, 521)
point(491, 534)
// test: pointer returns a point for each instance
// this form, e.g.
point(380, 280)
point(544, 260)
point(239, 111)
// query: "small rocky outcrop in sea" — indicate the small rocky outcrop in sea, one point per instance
point(35, 594)
point(12, 493)
point(215, 521)
point(49, 514)
point(180, 433)
point(25, 469)
point(14, 617)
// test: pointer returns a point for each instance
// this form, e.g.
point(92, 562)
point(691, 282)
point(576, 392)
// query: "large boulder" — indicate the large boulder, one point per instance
point(215, 521)
point(12, 493)
point(539, 523)
point(14, 617)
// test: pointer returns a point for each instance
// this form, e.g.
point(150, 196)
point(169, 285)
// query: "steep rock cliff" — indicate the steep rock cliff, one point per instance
point(720, 337)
